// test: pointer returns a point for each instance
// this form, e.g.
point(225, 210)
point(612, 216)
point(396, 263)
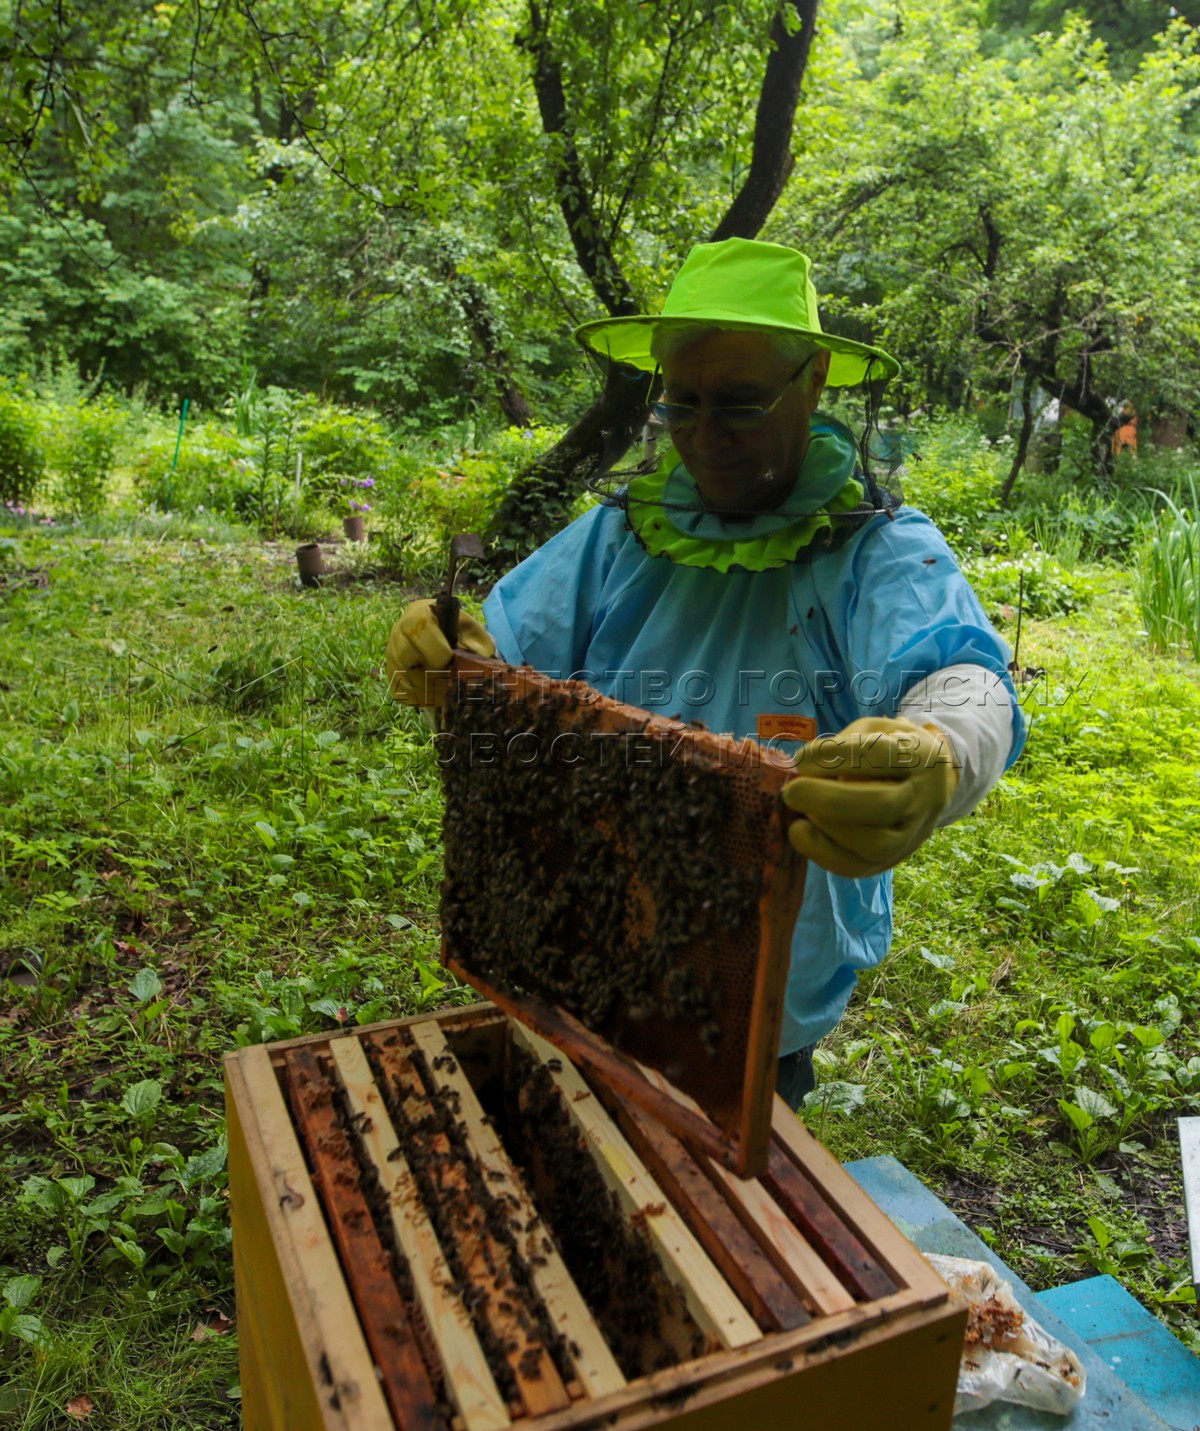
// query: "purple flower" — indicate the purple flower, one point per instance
point(367, 482)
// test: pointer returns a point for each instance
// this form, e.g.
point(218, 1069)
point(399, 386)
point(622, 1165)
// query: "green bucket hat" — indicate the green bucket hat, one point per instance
point(743, 284)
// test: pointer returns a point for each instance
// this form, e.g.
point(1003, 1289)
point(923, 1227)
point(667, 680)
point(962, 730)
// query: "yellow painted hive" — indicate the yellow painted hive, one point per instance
point(439, 1224)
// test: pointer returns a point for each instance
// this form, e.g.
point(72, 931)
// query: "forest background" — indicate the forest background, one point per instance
point(268, 266)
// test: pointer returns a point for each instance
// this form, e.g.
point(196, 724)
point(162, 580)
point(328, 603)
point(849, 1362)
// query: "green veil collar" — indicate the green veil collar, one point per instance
point(667, 514)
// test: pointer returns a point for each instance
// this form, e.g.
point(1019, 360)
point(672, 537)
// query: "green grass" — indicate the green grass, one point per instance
point(1032, 1038)
point(215, 828)
point(1168, 577)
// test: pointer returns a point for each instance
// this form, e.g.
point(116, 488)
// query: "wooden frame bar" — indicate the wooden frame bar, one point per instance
point(709, 1298)
point(469, 1380)
point(306, 1313)
point(388, 1326)
point(594, 1364)
point(485, 1257)
point(744, 1263)
point(604, 1063)
point(894, 1251)
point(794, 1257)
point(854, 1266)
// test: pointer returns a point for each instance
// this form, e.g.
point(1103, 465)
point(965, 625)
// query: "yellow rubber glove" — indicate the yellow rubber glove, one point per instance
point(418, 653)
point(870, 795)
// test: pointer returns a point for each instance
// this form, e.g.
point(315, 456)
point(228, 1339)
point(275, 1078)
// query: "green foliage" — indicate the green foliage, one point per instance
point(338, 443)
point(1034, 579)
point(250, 680)
point(1168, 578)
point(459, 493)
point(1084, 529)
point(1007, 217)
point(212, 473)
point(1127, 27)
point(299, 894)
point(22, 459)
point(953, 475)
point(83, 443)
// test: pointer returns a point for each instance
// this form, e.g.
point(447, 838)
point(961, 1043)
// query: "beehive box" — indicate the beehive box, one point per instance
point(439, 1224)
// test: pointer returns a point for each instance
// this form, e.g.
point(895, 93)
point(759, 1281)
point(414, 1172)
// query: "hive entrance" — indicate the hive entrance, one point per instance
point(622, 883)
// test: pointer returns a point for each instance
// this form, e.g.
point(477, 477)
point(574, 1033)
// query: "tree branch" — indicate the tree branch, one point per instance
point(592, 248)
point(771, 159)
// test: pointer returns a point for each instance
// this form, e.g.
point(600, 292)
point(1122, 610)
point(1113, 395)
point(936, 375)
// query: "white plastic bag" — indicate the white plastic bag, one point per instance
point(1007, 1356)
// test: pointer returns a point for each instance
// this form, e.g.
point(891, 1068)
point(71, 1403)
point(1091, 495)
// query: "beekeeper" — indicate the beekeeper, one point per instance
point(758, 581)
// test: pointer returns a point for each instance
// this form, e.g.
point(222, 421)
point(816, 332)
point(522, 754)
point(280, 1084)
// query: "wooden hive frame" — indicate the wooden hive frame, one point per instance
point(741, 1142)
point(806, 1297)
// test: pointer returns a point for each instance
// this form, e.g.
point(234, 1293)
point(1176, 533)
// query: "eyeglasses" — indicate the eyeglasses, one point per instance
point(676, 415)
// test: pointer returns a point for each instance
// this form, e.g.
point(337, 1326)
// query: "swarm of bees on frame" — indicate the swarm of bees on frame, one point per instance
point(580, 871)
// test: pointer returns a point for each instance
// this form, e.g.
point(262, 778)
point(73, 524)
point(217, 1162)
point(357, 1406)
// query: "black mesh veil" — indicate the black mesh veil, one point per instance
point(879, 450)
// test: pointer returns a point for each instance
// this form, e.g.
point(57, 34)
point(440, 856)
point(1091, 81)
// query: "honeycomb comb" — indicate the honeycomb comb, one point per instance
point(623, 884)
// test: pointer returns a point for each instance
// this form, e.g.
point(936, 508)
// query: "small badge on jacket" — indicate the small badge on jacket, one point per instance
point(787, 727)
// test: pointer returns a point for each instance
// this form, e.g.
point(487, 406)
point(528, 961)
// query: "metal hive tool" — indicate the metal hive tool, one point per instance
point(623, 884)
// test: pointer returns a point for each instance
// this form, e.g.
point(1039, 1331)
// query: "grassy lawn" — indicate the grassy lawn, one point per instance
point(215, 829)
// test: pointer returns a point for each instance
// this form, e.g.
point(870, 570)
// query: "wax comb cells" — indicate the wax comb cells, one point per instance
point(624, 883)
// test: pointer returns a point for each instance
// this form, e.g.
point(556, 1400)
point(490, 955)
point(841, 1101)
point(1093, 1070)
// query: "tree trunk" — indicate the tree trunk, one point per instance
point(482, 321)
point(1019, 455)
point(538, 501)
point(771, 161)
point(592, 247)
point(1088, 403)
point(540, 495)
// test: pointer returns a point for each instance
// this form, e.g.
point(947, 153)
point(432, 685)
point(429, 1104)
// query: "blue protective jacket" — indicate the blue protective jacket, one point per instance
point(841, 634)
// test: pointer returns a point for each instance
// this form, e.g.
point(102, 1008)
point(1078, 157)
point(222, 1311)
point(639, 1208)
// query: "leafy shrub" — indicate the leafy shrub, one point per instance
point(22, 460)
point(1047, 588)
point(953, 476)
point(84, 445)
point(459, 495)
point(212, 474)
point(1158, 469)
point(337, 442)
point(1090, 528)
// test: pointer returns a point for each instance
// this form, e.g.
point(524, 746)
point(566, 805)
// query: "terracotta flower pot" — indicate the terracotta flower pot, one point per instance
point(355, 528)
point(310, 564)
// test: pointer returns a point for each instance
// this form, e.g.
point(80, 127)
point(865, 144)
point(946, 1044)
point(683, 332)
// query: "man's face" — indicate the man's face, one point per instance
point(742, 471)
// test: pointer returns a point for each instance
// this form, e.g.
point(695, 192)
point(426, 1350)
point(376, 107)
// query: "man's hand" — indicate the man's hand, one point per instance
point(870, 795)
point(418, 653)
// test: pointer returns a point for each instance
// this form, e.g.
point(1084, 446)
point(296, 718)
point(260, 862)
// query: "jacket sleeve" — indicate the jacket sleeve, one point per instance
point(542, 612)
point(901, 611)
